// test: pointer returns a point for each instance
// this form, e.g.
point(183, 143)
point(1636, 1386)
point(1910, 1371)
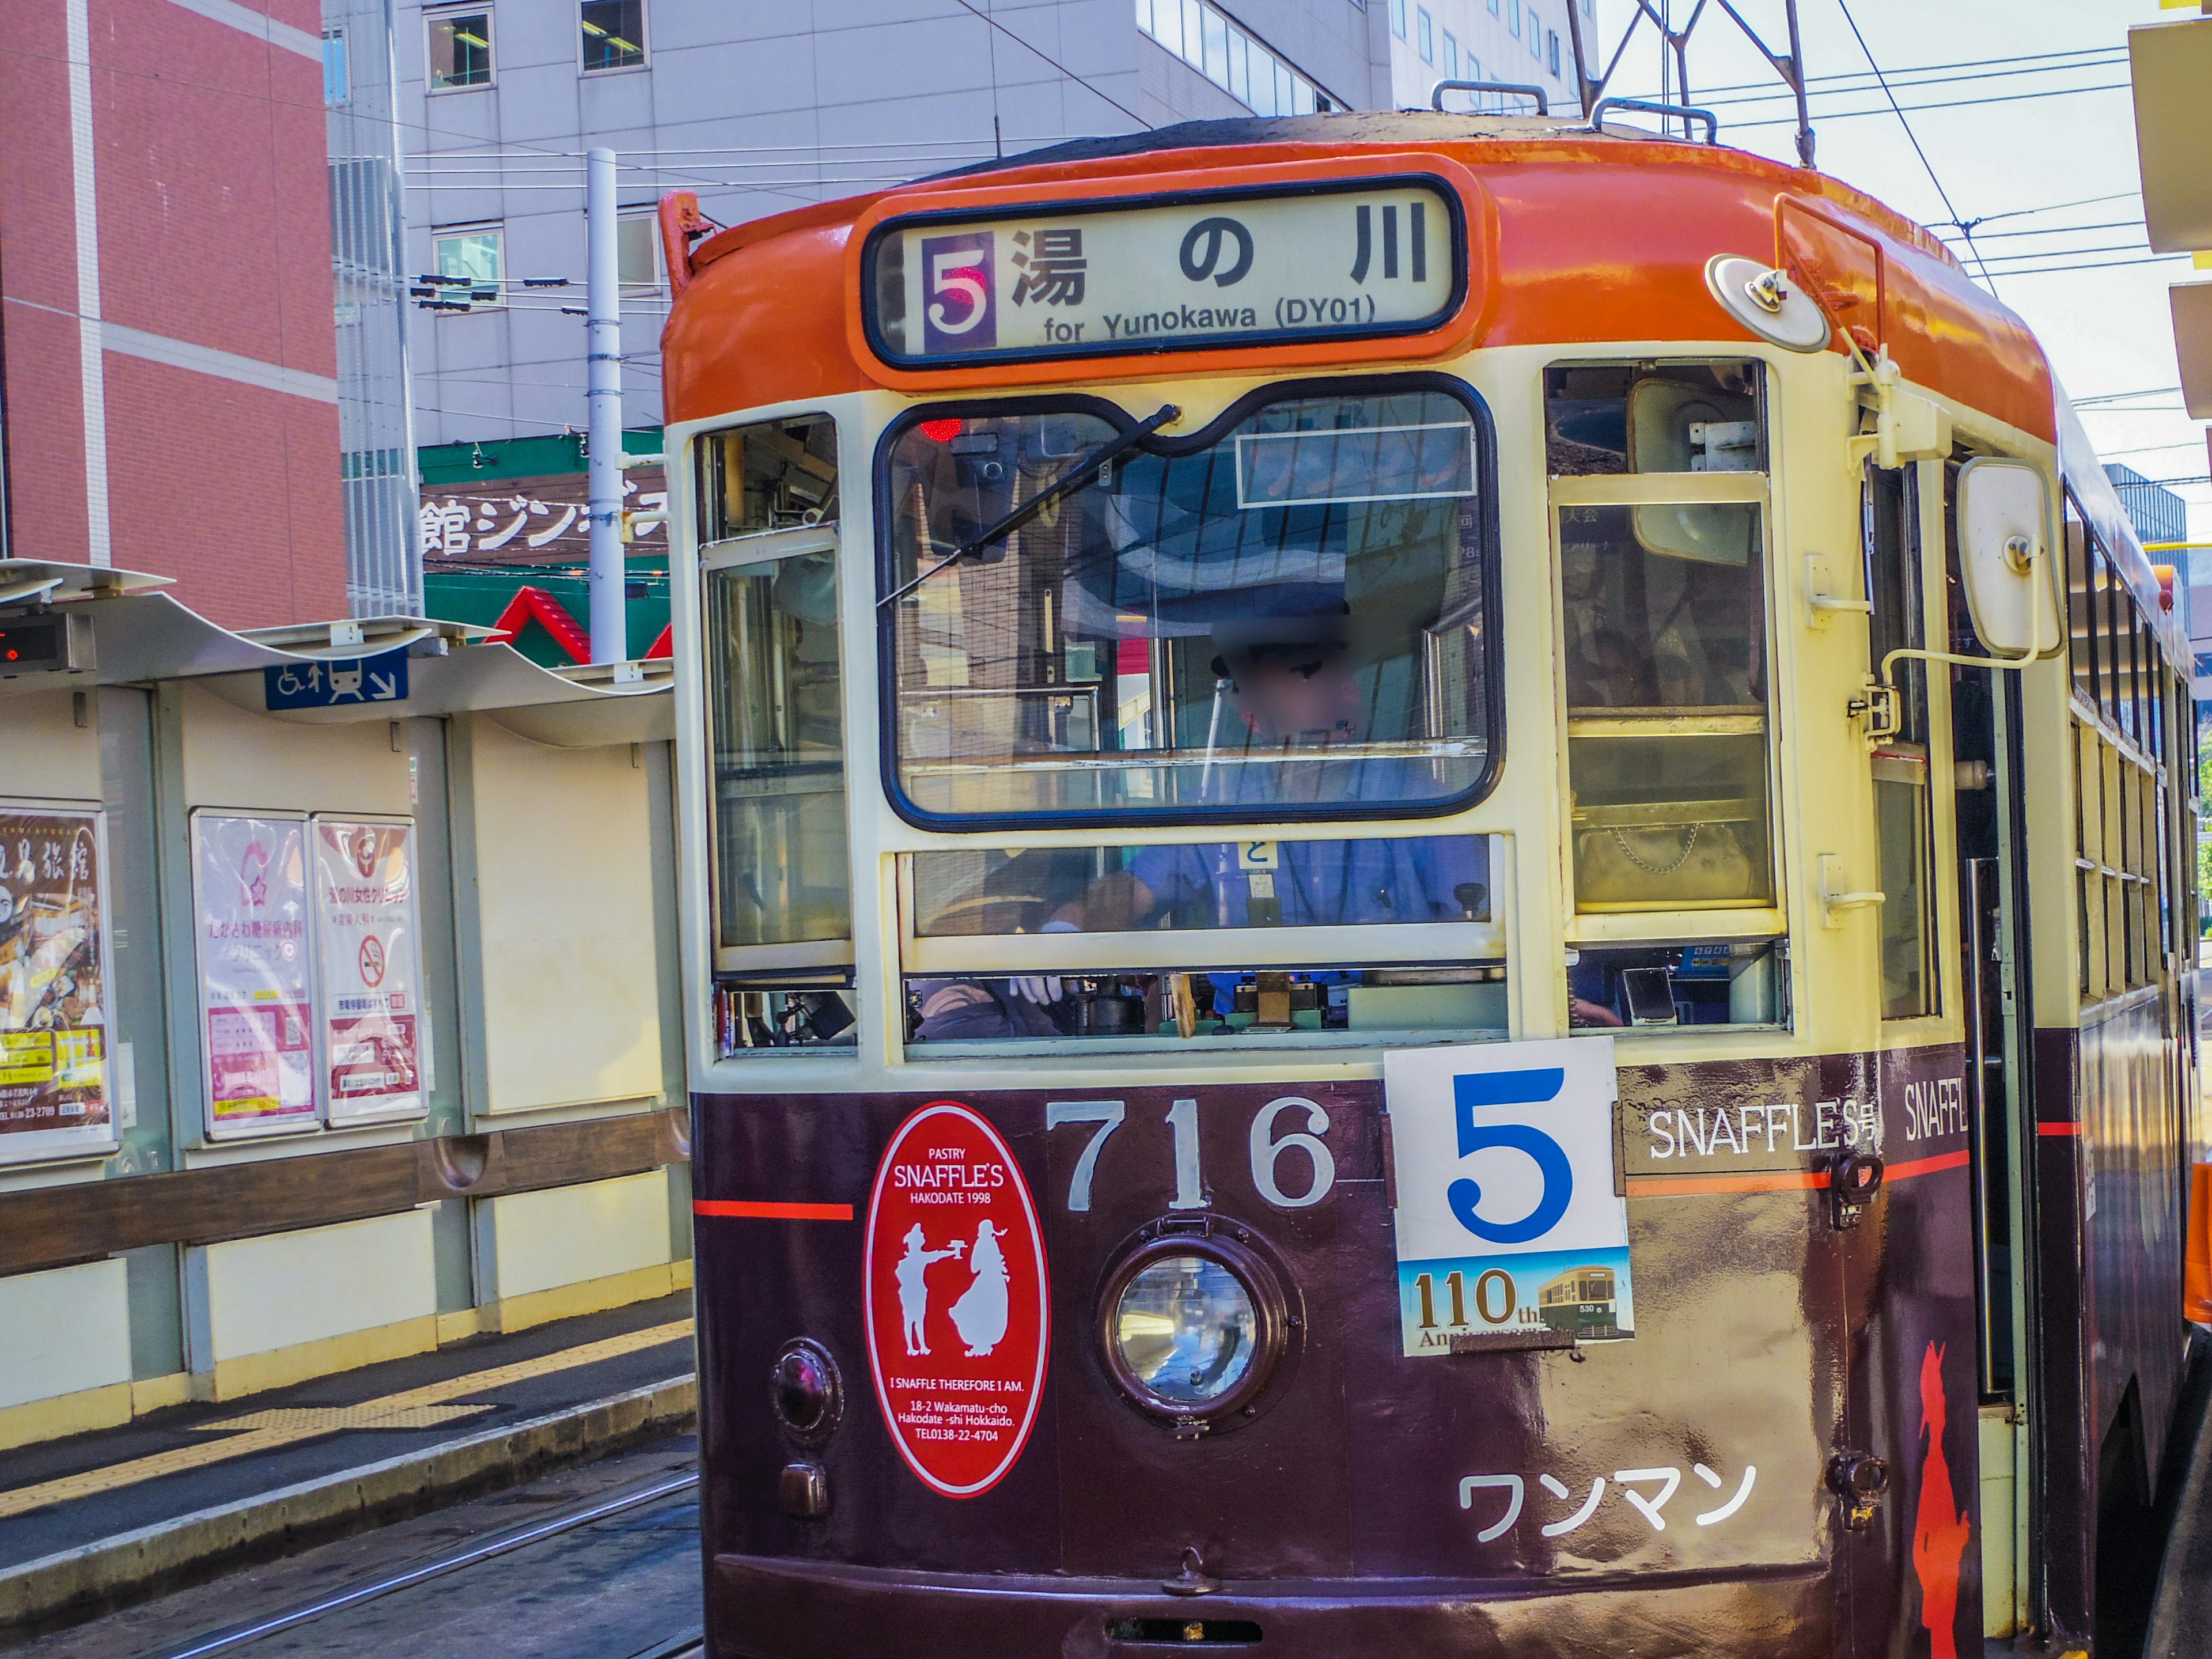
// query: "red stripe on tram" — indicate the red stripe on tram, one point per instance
point(756, 1210)
point(1918, 1166)
point(1792, 1181)
point(1695, 1186)
point(2062, 1130)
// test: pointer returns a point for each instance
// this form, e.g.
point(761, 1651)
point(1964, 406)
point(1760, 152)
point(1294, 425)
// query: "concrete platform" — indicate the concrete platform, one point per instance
point(100, 1518)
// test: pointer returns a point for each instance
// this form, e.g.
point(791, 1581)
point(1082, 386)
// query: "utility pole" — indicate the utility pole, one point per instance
point(603, 402)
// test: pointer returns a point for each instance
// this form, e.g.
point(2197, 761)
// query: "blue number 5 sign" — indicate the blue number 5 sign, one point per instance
point(1530, 1088)
point(1510, 1229)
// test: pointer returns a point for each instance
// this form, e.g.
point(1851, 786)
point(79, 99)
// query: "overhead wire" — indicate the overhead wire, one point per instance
point(1143, 125)
point(1902, 83)
point(1948, 206)
point(1901, 110)
point(1926, 69)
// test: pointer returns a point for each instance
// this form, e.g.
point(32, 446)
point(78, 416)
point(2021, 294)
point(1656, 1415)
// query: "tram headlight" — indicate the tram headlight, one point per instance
point(806, 1392)
point(1191, 1327)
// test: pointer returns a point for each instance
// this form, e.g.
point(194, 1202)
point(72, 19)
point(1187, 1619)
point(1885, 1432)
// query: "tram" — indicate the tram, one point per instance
point(1432, 877)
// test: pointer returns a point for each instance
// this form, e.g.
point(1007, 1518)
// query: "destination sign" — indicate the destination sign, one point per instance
point(1372, 257)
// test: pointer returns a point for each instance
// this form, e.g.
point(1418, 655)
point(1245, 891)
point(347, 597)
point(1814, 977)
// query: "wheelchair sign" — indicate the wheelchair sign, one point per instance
point(1509, 1231)
point(335, 682)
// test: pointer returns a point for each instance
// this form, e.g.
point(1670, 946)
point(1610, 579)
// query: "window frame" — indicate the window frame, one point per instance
point(492, 227)
point(1425, 44)
point(833, 957)
point(1689, 922)
point(431, 17)
point(334, 37)
point(650, 218)
point(1285, 391)
point(1397, 18)
point(644, 45)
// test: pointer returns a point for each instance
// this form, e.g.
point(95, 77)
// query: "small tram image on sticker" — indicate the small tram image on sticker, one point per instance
point(1341, 259)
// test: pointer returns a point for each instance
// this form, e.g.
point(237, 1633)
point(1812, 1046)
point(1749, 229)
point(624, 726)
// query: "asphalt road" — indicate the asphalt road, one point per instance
point(619, 1587)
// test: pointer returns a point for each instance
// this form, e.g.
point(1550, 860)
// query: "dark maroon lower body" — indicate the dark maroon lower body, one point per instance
point(781, 1609)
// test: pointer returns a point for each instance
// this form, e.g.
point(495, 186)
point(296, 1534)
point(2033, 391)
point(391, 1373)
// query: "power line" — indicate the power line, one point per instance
point(1948, 207)
point(2094, 265)
point(1927, 69)
point(2113, 61)
point(2034, 255)
point(2116, 397)
point(1940, 104)
point(1143, 124)
point(2057, 207)
point(2049, 230)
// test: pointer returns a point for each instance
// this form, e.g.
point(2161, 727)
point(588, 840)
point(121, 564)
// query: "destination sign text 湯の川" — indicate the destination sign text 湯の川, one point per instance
point(1377, 257)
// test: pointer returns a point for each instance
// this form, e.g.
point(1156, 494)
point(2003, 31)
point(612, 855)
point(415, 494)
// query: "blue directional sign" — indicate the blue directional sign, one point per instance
point(335, 682)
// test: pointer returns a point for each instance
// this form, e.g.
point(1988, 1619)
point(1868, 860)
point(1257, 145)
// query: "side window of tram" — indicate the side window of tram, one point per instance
point(780, 474)
point(782, 878)
point(1903, 824)
point(1665, 640)
point(2121, 856)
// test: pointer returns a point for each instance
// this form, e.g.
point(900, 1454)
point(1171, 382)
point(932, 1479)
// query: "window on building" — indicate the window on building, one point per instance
point(459, 49)
point(1535, 37)
point(1397, 18)
point(476, 255)
point(1513, 18)
point(613, 34)
point(1552, 42)
point(335, 89)
point(1428, 41)
point(1451, 56)
point(1212, 43)
point(1494, 8)
point(637, 245)
point(1590, 9)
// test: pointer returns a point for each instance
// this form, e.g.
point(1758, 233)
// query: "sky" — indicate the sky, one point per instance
point(2020, 138)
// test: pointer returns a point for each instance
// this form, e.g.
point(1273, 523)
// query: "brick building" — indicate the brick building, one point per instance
point(168, 400)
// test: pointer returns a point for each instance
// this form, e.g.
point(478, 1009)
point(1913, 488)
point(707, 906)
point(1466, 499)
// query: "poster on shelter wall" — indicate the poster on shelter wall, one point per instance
point(257, 1012)
point(54, 1097)
point(370, 967)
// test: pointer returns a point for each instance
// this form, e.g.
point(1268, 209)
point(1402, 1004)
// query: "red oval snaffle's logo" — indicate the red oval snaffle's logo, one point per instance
point(959, 1322)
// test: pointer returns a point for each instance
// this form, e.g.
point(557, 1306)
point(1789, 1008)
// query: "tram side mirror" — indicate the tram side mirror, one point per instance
point(2006, 561)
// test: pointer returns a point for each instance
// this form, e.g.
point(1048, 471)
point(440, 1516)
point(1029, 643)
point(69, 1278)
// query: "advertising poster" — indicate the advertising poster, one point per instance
point(959, 1308)
point(369, 968)
point(53, 982)
point(1510, 1231)
point(257, 1017)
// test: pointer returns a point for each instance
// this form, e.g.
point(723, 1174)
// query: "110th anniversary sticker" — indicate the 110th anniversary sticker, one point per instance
point(957, 1298)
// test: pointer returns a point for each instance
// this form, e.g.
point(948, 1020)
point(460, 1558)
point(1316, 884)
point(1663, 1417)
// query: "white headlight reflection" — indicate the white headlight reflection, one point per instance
point(1188, 1329)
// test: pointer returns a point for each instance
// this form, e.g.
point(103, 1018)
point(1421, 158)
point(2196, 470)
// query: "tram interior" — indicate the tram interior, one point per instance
point(1280, 618)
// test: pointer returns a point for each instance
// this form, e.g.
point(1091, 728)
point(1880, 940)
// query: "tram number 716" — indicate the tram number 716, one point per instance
point(1266, 1145)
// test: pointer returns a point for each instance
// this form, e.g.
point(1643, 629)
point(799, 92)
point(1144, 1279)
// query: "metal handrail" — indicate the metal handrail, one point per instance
point(1437, 95)
point(1687, 114)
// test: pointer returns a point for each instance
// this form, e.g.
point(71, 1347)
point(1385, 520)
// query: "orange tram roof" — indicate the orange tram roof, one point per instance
point(1580, 238)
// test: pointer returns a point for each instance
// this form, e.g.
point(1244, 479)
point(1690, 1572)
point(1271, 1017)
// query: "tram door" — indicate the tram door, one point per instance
point(1929, 1268)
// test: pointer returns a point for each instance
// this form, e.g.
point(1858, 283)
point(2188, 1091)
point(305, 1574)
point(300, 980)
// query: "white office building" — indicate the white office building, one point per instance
point(761, 107)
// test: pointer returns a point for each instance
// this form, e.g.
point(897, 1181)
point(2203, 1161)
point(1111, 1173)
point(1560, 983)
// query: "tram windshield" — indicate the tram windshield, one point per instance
point(1289, 611)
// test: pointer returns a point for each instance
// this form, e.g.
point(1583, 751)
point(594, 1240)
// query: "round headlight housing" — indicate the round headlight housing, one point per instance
point(1191, 1326)
point(805, 1391)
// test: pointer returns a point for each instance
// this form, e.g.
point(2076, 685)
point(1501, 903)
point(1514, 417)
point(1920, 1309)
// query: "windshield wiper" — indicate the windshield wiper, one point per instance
point(1081, 476)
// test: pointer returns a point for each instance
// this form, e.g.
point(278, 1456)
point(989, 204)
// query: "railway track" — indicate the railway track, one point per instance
point(641, 1504)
